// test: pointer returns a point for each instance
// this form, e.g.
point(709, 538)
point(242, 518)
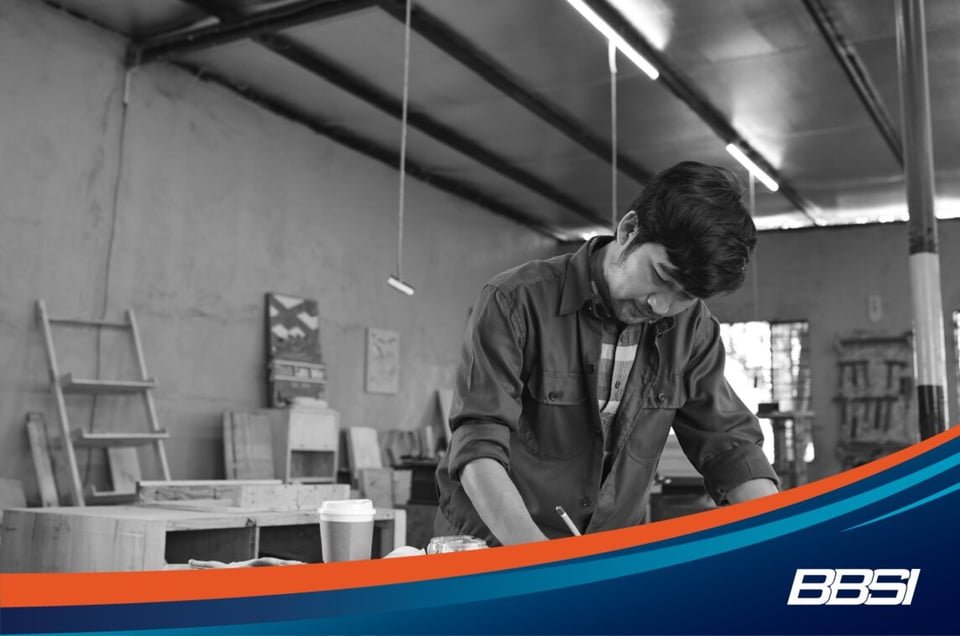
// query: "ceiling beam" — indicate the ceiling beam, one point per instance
point(857, 74)
point(459, 48)
point(683, 89)
point(165, 46)
point(374, 151)
point(311, 61)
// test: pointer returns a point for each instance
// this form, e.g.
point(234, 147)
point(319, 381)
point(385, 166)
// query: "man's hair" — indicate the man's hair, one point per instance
point(696, 212)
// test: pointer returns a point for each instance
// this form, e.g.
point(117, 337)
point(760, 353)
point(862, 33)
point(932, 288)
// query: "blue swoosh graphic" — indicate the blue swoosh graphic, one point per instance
point(915, 504)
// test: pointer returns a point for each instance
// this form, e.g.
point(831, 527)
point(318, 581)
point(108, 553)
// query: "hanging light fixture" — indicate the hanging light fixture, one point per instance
point(601, 25)
point(754, 169)
point(397, 281)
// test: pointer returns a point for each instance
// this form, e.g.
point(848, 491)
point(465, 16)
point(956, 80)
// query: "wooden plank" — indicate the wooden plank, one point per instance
point(124, 463)
point(266, 494)
point(252, 445)
point(401, 486)
point(11, 495)
point(413, 439)
point(427, 441)
point(291, 496)
point(391, 446)
point(86, 439)
point(104, 497)
point(40, 450)
point(73, 384)
point(363, 449)
point(376, 484)
point(445, 397)
point(229, 459)
point(228, 490)
point(64, 542)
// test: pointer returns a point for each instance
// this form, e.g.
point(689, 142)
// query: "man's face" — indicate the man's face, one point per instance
point(640, 285)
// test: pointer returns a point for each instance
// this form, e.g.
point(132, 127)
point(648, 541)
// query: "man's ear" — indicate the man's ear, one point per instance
point(627, 227)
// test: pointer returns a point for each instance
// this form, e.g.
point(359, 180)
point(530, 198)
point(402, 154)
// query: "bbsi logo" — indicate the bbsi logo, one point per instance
point(853, 587)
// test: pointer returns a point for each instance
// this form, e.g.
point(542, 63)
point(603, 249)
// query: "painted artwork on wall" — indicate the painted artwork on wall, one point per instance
point(383, 361)
point(294, 361)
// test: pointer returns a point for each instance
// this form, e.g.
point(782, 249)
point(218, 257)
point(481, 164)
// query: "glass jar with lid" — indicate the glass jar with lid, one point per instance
point(455, 543)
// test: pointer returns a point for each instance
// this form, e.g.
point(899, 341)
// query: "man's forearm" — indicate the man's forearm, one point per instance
point(752, 489)
point(498, 502)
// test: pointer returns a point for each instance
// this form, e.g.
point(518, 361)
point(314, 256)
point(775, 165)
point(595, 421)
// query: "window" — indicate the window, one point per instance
point(769, 362)
point(790, 365)
point(956, 343)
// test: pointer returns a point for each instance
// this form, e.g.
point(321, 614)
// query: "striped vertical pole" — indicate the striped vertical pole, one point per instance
point(930, 345)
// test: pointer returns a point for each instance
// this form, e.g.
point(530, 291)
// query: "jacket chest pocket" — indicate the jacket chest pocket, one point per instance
point(555, 419)
point(662, 397)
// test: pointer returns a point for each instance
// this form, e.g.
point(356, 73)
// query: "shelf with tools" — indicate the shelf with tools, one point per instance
point(875, 388)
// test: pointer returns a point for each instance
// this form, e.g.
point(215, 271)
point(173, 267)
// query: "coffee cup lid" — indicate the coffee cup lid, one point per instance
point(347, 507)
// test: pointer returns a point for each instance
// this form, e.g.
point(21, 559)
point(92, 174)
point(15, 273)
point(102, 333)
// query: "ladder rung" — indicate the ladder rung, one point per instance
point(77, 322)
point(110, 496)
point(70, 384)
point(84, 438)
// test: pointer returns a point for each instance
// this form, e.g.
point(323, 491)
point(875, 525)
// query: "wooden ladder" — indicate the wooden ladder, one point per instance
point(121, 447)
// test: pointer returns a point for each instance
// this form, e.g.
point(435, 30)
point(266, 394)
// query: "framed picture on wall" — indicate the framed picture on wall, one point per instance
point(294, 362)
point(383, 361)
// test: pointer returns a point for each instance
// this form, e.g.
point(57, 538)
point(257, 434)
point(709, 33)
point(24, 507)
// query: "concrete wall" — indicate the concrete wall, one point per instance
point(218, 202)
point(824, 276)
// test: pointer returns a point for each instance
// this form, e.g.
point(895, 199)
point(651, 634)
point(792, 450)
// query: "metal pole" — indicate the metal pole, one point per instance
point(924, 260)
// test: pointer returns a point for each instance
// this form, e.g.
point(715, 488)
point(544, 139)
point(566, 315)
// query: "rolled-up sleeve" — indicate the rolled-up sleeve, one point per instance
point(716, 430)
point(486, 402)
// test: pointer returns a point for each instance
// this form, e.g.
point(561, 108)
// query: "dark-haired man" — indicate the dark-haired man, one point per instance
point(575, 368)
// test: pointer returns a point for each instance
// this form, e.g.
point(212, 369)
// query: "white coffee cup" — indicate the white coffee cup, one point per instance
point(346, 529)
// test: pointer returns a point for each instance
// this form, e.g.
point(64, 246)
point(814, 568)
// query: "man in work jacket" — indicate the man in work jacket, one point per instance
point(575, 368)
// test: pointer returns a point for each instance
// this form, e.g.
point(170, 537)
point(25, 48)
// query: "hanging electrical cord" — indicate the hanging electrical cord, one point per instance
point(397, 281)
point(612, 62)
point(108, 261)
point(753, 277)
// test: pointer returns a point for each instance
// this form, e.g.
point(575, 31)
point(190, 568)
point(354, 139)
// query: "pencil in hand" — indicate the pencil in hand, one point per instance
point(566, 519)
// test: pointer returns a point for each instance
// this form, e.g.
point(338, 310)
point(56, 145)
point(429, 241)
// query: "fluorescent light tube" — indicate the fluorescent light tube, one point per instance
point(608, 32)
point(400, 286)
point(754, 169)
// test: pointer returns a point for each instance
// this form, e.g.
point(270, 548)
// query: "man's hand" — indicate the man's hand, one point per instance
point(498, 502)
point(752, 490)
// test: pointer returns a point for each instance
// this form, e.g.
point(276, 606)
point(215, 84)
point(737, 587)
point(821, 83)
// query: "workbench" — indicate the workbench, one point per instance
point(150, 536)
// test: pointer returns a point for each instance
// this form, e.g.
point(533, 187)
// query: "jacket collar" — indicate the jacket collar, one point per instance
point(577, 287)
point(580, 291)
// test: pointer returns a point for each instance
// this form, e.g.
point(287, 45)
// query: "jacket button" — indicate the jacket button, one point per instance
point(590, 369)
point(662, 397)
point(553, 396)
point(586, 502)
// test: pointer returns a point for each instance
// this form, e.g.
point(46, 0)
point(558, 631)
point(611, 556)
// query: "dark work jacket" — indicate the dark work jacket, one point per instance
point(526, 396)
